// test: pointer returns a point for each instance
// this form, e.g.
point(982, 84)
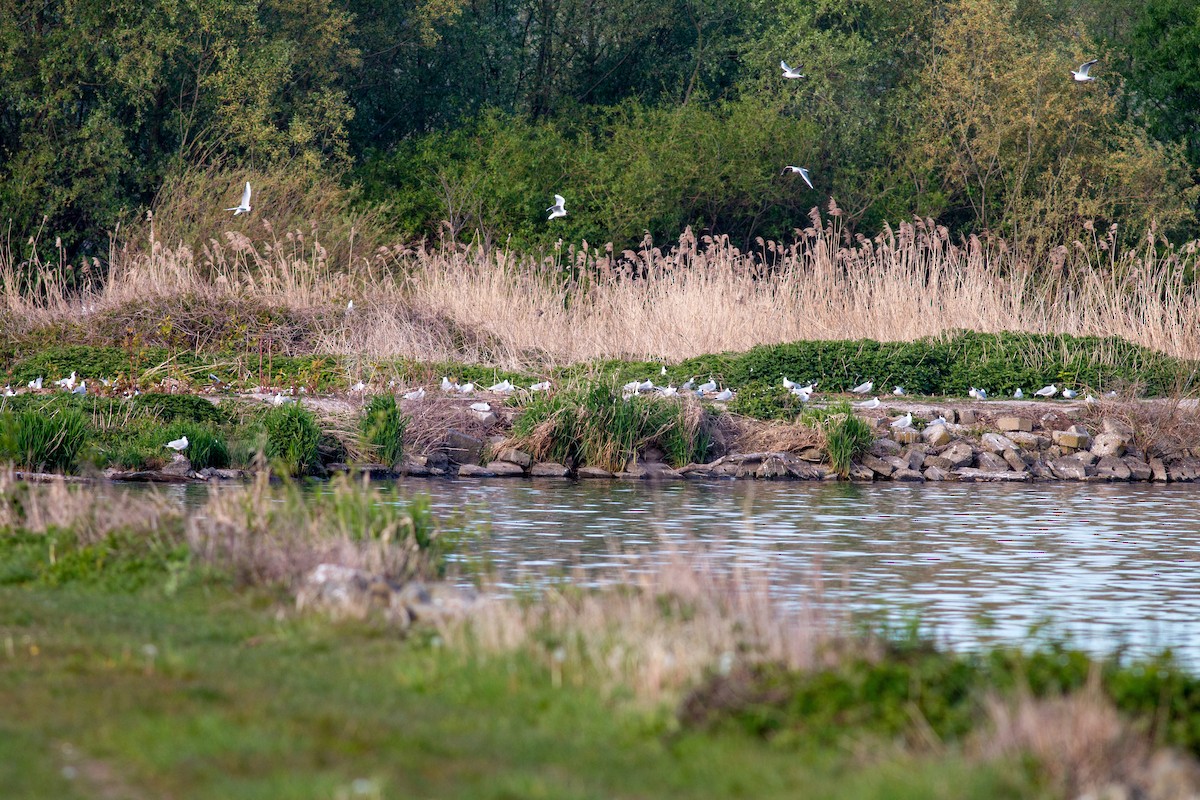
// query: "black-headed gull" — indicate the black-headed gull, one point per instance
point(869, 404)
point(66, 383)
point(709, 386)
point(1070, 394)
point(178, 445)
point(502, 387)
point(543, 386)
point(864, 388)
point(482, 408)
point(244, 206)
point(722, 396)
point(903, 422)
point(448, 385)
point(36, 384)
point(1081, 75)
point(898, 391)
point(1047, 391)
point(791, 72)
point(80, 389)
point(559, 209)
point(801, 171)
point(415, 394)
point(1018, 394)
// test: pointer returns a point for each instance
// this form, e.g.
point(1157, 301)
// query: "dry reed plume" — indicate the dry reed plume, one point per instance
point(701, 296)
point(658, 631)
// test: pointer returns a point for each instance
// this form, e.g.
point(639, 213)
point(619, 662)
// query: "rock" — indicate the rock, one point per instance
point(1113, 468)
point(592, 473)
point(515, 456)
point(897, 462)
point(1072, 439)
point(990, 462)
point(966, 418)
point(1139, 470)
point(877, 465)
point(1109, 444)
point(936, 474)
point(1110, 425)
point(1068, 468)
point(438, 459)
point(971, 474)
point(908, 475)
point(1182, 471)
point(486, 417)
point(1014, 460)
point(475, 471)
point(811, 454)
point(1014, 424)
point(414, 468)
point(807, 472)
point(462, 448)
point(915, 457)
point(505, 469)
point(936, 435)
point(995, 443)
point(951, 415)
point(725, 470)
point(343, 592)
point(376, 472)
point(1158, 470)
point(772, 469)
point(549, 469)
point(959, 454)
point(433, 603)
point(179, 466)
point(937, 462)
point(1029, 441)
point(907, 435)
point(1086, 458)
point(860, 473)
point(885, 447)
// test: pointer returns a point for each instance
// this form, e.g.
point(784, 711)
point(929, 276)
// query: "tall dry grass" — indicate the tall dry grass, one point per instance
point(456, 302)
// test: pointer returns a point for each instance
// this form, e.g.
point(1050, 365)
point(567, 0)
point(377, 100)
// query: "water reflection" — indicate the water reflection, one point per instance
point(1109, 566)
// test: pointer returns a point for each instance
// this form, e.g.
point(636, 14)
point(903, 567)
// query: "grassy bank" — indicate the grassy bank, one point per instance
point(147, 654)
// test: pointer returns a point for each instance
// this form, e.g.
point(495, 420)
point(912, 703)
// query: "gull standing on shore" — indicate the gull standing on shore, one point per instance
point(178, 445)
point(864, 388)
point(1047, 391)
point(869, 404)
point(903, 422)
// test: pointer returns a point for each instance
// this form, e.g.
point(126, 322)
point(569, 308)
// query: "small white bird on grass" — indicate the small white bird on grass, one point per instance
point(448, 385)
point(482, 408)
point(37, 385)
point(668, 391)
point(415, 394)
point(8, 392)
point(722, 396)
point(1047, 391)
point(178, 445)
point(801, 171)
point(687, 385)
point(977, 394)
point(898, 391)
point(559, 209)
point(864, 388)
point(244, 206)
point(358, 387)
point(869, 404)
point(903, 422)
point(709, 386)
point(1070, 394)
point(503, 387)
point(1081, 75)
point(80, 389)
point(466, 388)
point(787, 384)
point(66, 383)
point(543, 386)
point(791, 72)
point(1018, 394)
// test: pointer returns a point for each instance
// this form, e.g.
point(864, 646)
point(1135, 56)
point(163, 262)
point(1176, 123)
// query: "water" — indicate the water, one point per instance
point(1106, 566)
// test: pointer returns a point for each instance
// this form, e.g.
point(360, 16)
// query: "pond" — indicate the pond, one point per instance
point(1105, 566)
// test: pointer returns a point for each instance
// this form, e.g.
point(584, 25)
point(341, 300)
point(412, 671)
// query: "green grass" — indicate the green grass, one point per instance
point(382, 428)
point(43, 440)
point(205, 693)
point(846, 436)
point(291, 440)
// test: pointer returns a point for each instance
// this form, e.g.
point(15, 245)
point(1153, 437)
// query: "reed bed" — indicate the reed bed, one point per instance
point(702, 295)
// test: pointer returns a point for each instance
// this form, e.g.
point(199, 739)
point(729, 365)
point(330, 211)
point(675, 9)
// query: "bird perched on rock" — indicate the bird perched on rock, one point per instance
point(903, 422)
point(178, 445)
point(864, 388)
point(1047, 391)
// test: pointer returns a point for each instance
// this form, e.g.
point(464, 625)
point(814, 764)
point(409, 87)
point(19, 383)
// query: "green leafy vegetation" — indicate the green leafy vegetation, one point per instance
point(43, 440)
point(291, 438)
point(846, 436)
point(382, 428)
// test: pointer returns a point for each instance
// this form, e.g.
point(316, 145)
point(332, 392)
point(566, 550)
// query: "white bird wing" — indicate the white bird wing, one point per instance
point(785, 67)
point(246, 196)
point(1087, 65)
point(559, 201)
point(804, 174)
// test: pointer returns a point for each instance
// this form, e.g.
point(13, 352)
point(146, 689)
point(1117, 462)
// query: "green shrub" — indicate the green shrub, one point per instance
point(291, 437)
point(382, 429)
point(766, 402)
point(42, 440)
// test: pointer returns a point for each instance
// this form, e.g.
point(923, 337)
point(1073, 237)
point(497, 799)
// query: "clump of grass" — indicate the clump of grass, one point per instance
point(599, 428)
point(291, 438)
point(42, 440)
point(382, 427)
point(206, 447)
point(846, 436)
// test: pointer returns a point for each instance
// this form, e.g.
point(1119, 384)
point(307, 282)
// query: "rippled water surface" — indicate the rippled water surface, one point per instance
point(1108, 566)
